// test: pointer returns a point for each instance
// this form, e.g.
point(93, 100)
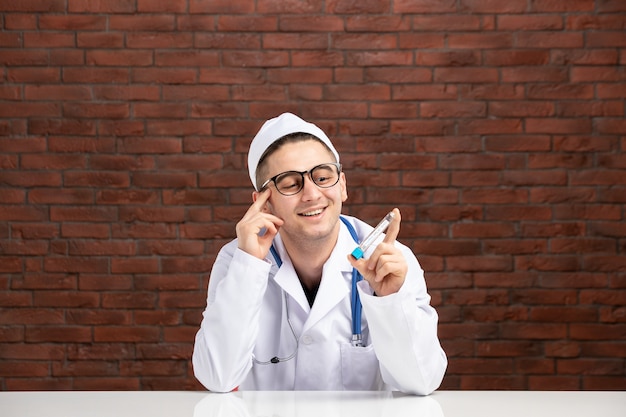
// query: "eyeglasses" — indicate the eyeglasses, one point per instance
point(292, 182)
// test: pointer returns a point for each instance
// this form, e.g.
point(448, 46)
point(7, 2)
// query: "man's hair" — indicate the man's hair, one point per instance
point(290, 138)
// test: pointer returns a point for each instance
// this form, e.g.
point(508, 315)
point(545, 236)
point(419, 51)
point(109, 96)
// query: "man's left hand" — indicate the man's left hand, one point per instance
point(385, 270)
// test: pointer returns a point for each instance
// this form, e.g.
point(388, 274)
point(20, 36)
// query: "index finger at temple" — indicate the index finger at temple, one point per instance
point(394, 227)
point(262, 198)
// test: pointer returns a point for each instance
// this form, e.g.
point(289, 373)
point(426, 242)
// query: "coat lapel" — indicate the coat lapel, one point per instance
point(287, 278)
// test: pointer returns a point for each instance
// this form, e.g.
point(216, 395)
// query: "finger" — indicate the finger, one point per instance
point(360, 264)
point(381, 249)
point(260, 200)
point(385, 268)
point(394, 227)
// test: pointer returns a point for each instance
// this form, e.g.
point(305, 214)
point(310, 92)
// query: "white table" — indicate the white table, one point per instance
point(313, 404)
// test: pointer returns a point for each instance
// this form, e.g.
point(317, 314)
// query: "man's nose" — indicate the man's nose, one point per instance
point(309, 188)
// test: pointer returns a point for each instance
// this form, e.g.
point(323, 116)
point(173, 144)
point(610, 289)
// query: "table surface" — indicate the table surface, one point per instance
point(313, 404)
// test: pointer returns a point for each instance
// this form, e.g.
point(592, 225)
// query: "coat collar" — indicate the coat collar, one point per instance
point(336, 278)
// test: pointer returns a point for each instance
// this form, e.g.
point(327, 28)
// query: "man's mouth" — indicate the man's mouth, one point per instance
point(312, 213)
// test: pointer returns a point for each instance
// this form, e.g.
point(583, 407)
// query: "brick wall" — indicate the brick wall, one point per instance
point(497, 127)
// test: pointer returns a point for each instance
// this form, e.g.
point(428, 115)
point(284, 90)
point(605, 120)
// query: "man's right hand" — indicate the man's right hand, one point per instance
point(258, 227)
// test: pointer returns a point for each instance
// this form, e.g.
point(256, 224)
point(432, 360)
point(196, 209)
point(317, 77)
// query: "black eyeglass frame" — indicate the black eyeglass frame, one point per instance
point(337, 165)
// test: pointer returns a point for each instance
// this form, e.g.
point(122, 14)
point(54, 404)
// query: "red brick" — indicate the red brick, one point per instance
point(22, 213)
point(490, 126)
point(234, 23)
point(452, 110)
point(114, 383)
point(477, 6)
point(480, 264)
point(129, 301)
point(96, 282)
point(557, 126)
point(185, 265)
point(514, 22)
point(532, 366)
point(24, 369)
point(30, 109)
point(91, 111)
point(585, 57)
point(34, 74)
point(187, 127)
point(34, 231)
point(164, 351)
point(144, 230)
point(181, 299)
point(487, 365)
point(35, 6)
point(96, 75)
point(123, 6)
point(219, 6)
point(408, 6)
point(82, 265)
point(163, 282)
point(175, 6)
point(127, 334)
point(72, 22)
point(56, 196)
point(24, 58)
point(141, 40)
point(609, 108)
point(421, 40)
point(534, 331)
point(179, 334)
point(23, 145)
point(134, 265)
point(69, 57)
point(331, 23)
point(147, 367)
point(377, 58)
point(119, 58)
point(448, 22)
point(550, 40)
point(480, 40)
point(362, 23)
point(48, 39)
point(100, 40)
point(60, 334)
point(606, 39)
point(482, 382)
point(590, 366)
point(606, 383)
point(15, 21)
point(525, 74)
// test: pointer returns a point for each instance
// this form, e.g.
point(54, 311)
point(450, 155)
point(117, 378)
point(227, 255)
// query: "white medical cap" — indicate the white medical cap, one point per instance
point(276, 128)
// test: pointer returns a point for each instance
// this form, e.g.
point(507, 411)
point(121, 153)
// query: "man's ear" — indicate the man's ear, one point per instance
point(344, 187)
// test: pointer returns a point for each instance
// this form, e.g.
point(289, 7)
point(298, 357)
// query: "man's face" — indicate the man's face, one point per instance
point(313, 213)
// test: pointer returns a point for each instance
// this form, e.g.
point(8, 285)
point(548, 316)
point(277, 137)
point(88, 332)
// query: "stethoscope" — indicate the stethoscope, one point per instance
point(355, 303)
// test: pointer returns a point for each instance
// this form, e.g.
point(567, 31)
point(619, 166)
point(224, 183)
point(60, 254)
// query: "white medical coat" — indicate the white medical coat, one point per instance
point(246, 317)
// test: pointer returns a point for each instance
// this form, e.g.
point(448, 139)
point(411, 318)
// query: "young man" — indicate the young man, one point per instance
point(280, 311)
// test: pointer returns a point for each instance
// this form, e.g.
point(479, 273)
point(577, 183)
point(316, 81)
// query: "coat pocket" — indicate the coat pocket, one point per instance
point(360, 370)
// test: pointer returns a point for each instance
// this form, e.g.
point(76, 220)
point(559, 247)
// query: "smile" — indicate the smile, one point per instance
point(312, 213)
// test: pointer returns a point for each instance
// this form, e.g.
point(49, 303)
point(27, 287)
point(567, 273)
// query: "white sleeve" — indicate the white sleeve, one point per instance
point(222, 355)
point(403, 330)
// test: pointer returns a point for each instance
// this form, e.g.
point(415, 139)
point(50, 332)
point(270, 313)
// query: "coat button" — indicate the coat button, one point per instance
point(307, 340)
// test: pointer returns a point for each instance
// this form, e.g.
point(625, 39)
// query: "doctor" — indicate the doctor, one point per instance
point(280, 309)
